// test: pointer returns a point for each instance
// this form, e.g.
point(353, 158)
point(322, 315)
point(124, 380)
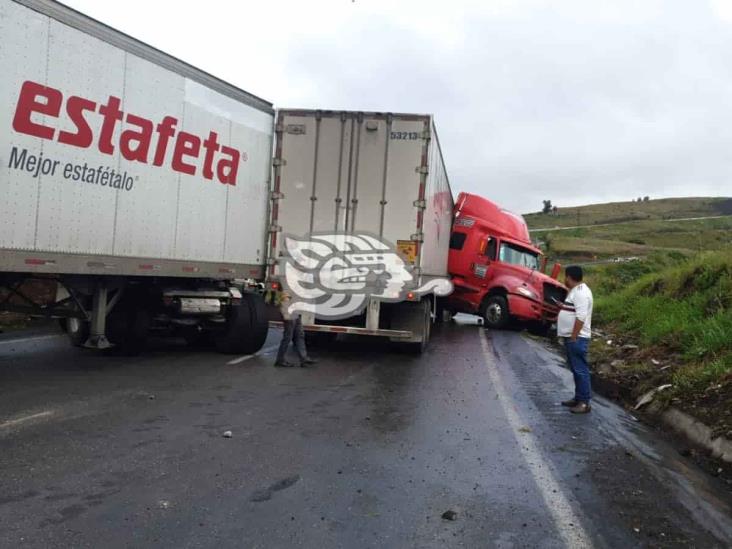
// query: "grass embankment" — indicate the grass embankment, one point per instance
point(678, 312)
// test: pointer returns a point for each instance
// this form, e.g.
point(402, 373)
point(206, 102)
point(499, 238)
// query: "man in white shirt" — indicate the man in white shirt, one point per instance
point(574, 325)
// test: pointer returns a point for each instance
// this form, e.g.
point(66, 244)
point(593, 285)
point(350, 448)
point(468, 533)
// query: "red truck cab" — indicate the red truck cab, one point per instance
point(496, 271)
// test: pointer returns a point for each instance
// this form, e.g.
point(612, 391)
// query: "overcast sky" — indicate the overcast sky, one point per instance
point(578, 101)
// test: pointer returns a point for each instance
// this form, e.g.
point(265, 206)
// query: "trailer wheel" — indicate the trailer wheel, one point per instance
point(128, 328)
point(495, 312)
point(77, 330)
point(416, 318)
point(259, 321)
point(246, 327)
point(440, 311)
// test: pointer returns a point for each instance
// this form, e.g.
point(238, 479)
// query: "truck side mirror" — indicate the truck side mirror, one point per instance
point(544, 261)
point(556, 270)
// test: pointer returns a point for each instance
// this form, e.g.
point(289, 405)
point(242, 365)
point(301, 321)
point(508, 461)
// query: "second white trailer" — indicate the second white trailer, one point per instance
point(380, 174)
point(135, 182)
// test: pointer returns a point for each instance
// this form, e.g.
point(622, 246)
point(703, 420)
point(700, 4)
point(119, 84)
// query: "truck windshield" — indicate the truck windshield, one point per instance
point(518, 256)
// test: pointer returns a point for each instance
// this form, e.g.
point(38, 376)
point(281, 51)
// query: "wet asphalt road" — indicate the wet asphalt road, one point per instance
point(366, 450)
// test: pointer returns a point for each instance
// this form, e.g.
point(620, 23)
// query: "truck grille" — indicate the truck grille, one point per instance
point(552, 291)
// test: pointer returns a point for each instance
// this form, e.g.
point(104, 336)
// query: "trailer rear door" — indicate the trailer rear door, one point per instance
point(351, 172)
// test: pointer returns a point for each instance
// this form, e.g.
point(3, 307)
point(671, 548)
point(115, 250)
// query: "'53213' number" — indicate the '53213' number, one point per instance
point(405, 135)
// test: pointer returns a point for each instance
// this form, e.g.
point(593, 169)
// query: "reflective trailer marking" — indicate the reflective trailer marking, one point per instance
point(565, 520)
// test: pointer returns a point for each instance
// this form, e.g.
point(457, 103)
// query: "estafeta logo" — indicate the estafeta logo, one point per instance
point(141, 140)
point(334, 275)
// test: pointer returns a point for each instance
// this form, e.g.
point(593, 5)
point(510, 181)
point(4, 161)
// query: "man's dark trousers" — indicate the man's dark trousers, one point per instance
point(577, 360)
point(292, 332)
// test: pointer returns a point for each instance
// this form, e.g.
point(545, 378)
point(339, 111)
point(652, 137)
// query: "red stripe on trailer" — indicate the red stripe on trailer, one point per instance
point(36, 261)
point(188, 269)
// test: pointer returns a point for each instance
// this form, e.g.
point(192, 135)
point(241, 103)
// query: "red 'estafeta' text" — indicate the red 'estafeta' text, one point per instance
point(140, 141)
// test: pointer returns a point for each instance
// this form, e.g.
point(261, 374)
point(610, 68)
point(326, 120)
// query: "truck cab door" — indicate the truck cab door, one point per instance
point(486, 254)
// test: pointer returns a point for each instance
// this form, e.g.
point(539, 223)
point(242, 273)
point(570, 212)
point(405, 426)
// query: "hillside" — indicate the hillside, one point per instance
point(619, 212)
point(632, 229)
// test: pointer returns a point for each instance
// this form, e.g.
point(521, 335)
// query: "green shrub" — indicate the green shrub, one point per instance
point(697, 377)
point(682, 305)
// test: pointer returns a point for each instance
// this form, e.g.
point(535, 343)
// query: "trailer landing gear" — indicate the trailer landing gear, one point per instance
point(97, 334)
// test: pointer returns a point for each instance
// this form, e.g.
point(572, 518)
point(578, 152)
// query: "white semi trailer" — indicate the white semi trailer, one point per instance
point(148, 190)
point(138, 182)
point(378, 174)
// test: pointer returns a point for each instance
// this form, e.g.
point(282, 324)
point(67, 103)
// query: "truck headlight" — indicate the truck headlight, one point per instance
point(526, 292)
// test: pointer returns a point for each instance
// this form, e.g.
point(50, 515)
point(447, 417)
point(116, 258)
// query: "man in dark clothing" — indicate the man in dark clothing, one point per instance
point(292, 331)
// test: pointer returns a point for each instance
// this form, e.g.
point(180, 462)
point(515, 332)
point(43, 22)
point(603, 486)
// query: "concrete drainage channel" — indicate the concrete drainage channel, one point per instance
point(693, 431)
point(696, 432)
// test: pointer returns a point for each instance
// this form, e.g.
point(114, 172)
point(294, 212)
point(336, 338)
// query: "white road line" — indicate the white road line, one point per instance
point(247, 357)
point(24, 339)
point(18, 421)
point(240, 359)
point(565, 520)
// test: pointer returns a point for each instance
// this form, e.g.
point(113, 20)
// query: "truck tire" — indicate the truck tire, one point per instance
point(495, 312)
point(128, 328)
point(259, 320)
point(77, 330)
point(440, 311)
point(415, 317)
point(246, 327)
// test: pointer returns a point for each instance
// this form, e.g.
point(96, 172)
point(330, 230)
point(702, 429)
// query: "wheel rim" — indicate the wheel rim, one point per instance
point(73, 325)
point(494, 313)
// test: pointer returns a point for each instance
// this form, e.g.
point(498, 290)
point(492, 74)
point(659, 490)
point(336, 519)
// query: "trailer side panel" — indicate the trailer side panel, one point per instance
point(438, 213)
point(110, 155)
